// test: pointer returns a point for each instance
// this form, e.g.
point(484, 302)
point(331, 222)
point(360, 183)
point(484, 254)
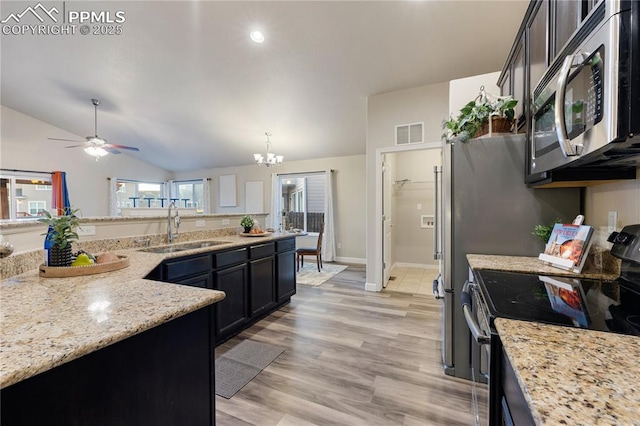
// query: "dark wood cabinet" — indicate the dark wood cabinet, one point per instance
point(262, 292)
point(519, 83)
point(285, 269)
point(538, 44)
point(162, 376)
point(257, 279)
point(232, 313)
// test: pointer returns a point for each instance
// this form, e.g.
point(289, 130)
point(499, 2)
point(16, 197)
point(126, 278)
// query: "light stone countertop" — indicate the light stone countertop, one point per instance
point(533, 265)
point(46, 322)
point(574, 376)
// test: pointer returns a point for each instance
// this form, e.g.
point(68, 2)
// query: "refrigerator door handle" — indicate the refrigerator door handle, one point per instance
point(465, 301)
point(437, 254)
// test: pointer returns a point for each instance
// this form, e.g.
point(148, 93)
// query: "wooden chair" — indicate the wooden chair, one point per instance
point(309, 251)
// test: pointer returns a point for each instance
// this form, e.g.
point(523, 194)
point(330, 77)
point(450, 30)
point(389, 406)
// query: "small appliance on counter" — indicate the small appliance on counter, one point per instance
point(608, 306)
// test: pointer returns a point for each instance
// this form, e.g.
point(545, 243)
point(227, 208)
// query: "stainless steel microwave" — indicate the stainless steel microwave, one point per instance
point(586, 110)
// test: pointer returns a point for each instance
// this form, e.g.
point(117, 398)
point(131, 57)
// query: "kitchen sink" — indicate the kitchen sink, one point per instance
point(182, 247)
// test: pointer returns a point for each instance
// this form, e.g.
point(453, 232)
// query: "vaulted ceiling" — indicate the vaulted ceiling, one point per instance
point(185, 83)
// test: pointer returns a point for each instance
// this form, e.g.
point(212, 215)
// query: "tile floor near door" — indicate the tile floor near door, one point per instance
point(412, 280)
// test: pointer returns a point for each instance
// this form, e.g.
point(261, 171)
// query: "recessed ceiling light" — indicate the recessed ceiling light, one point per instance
point(257, 36)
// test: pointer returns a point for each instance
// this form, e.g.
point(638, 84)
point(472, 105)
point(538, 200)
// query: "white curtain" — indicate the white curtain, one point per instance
point(206, 196)
point(113, 199)
point(275, 202)
point(329, 237)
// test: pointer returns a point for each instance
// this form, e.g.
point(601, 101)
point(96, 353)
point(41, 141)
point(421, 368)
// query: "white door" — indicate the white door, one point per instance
point(387, 225)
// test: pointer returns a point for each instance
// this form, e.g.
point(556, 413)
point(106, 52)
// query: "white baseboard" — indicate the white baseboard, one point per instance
point(370, 287)
point(353, 260)
point(413, 265)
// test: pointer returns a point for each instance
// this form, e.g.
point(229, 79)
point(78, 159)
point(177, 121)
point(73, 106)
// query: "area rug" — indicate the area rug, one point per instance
point(309, 275)
point(238, 366)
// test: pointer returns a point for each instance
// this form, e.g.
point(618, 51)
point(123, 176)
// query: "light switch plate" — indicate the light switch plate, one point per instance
point(225, 221)
point(200, 223)
point(86, 230)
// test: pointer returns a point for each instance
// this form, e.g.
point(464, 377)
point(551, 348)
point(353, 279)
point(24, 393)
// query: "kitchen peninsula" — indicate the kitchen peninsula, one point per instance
point(112, 348)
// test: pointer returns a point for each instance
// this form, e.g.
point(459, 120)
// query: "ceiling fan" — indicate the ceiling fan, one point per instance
point(95, 145)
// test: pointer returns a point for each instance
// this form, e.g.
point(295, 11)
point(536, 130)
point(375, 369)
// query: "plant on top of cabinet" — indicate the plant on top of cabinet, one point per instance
point(473, 120)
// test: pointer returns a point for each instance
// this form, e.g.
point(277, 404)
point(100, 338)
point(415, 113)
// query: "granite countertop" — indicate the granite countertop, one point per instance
point(532, 265)
point(46, 322)
point(574, 376)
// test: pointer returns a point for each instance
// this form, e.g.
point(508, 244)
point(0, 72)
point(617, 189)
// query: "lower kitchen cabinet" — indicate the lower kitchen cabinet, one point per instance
point(232, 313)
point(262, 293)
point(285, 275)
point(162, 376)
point(257, 279)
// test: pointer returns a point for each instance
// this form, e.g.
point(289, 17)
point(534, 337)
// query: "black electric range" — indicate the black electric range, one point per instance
point(612, 306)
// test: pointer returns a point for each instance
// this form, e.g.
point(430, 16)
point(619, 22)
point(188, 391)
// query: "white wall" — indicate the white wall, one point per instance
point(24, 145)
point(464, 90)
point(622, 197)
point(349, 203)
point(429, 104)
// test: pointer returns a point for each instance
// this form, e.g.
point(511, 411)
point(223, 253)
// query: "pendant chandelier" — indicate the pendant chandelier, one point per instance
point(271, 159)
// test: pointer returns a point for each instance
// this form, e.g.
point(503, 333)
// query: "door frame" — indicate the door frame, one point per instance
point(379, 234)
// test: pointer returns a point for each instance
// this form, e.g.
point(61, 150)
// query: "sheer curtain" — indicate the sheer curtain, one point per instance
point(113, 201)
point(275, 202)
point(329, 237)
point(206, 196)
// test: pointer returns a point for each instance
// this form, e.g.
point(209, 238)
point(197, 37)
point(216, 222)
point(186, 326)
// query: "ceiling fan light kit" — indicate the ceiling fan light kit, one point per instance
point(271, 159)
point(94, 145)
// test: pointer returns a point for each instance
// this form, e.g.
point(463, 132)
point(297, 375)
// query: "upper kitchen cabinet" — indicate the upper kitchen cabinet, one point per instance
point(572, 69)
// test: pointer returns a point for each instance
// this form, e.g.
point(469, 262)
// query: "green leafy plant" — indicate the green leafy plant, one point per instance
point(63, 229)
point(476, 113)
point(247, 221)
point(543, 232)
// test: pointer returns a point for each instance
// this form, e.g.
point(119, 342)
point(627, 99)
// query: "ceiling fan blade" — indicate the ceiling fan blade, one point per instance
point(65, 140)
point(132, 148)
point(74, 146)
point(110, 150)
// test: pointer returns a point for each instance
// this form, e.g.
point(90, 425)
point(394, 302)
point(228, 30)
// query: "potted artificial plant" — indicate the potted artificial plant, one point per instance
point(247, 223)
point(473, 120)
point(61, 233)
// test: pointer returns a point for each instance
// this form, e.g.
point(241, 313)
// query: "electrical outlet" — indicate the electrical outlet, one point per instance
point(200, 223)
point(225, 221)
point(612, 221)
point(86, 230)
point(339, 245)
point(419, 206)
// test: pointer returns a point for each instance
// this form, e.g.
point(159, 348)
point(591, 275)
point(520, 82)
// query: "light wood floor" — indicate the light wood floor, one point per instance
point(352, 358)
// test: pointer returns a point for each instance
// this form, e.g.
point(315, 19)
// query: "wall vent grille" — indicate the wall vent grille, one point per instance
point(409, 133)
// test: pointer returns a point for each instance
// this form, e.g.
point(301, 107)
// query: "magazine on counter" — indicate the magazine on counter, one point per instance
point(568, 246)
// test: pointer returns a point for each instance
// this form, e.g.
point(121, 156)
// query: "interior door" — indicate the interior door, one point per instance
point(387, 225)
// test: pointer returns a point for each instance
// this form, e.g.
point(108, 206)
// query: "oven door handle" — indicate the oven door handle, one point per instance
point(568, 150)
point(472, 323)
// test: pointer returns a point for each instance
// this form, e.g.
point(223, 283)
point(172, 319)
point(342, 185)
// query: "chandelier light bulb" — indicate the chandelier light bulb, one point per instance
point(270, 159)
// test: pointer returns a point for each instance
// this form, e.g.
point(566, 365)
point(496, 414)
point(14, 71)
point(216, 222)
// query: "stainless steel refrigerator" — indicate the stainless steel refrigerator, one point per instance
point(484, 207)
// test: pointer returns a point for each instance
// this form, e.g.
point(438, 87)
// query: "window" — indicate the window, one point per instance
point(302, 201)
point(133, 193)
point(23, 195)
point(190, 194)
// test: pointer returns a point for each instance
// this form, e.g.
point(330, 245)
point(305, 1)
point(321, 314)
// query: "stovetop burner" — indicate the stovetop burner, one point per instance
point(585, 303)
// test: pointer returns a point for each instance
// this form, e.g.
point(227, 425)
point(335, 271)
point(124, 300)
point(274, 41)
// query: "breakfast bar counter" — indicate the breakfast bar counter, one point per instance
point(574, 376)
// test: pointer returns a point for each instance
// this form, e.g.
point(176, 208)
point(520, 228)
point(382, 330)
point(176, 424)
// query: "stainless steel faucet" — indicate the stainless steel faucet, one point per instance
point(170, 235)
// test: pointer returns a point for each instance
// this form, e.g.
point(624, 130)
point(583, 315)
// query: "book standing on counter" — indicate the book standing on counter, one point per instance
point(568, 246)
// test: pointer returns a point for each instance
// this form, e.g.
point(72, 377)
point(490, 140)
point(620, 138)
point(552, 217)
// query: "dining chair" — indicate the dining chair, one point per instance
point(310, 251)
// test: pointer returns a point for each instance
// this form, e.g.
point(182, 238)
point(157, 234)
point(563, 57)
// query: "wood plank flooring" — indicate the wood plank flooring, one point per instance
point(352, 358)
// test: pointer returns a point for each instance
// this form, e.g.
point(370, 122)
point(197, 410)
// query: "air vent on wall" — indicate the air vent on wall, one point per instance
point(409, 133)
